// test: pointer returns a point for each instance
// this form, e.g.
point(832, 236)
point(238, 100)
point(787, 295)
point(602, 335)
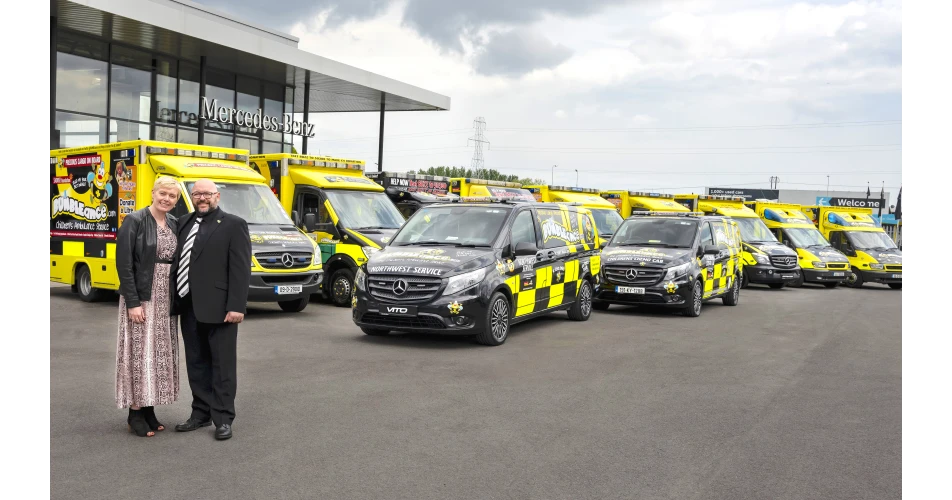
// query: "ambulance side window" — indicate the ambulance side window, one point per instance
point(313, 203)
point(179, 210)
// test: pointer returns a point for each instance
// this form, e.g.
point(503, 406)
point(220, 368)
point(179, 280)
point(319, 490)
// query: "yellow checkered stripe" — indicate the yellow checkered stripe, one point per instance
point(549, 286)
point(719, 278)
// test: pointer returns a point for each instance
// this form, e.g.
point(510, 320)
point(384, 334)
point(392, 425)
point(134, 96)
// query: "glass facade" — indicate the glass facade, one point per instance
point(107, 92)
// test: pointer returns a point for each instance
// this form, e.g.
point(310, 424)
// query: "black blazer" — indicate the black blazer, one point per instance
point(220, 273)
point(136, 244)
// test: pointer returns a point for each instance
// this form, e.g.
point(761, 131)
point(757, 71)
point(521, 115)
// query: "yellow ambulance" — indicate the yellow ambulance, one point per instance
point(606, 217)
point(627, 202)
point(873, 255)
point(819, 261)
point(95, 187)
point(482, 188)
point(766, 260)
point(349, 215)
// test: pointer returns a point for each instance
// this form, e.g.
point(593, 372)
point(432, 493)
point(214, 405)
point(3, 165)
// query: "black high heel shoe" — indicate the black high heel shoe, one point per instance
point(154, 424)
point(137, 423)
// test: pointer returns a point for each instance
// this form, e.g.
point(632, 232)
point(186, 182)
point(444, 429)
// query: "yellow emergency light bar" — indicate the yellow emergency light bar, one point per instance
point(486, 199)
point(326, 162)
point(485, 182)
point(677, 214)
point(564, 188)
point(650, 195)
point(720, 197)
point(158, 150)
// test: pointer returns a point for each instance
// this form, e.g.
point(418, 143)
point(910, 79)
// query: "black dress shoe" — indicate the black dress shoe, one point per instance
point(223, 432)
point(191, 424)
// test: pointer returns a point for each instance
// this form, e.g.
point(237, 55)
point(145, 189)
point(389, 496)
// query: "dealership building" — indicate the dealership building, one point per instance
point(174, 70)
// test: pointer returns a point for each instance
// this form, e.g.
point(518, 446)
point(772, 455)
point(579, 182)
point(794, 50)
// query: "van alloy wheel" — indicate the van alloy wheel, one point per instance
point(586, 299)
point(500, 319)
point(697, 300)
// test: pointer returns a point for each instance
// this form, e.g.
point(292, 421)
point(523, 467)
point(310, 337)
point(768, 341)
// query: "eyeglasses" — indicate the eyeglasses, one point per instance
point(203, 195)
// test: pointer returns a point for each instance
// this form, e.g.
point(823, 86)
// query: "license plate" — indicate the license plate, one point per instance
point(838, 274)
point(286, 289)
point(398, 310)
point(629, 289)
point(897, 276)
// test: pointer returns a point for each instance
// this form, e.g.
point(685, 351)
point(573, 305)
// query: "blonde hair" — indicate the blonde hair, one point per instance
point(162, 182)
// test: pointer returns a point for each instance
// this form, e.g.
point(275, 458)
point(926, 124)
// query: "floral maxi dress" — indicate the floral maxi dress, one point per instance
point(147, 371)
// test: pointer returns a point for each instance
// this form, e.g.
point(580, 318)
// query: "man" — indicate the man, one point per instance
point(210, 279)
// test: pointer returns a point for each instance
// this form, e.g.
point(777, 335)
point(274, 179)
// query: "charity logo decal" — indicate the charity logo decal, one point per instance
point(85, 194)
point(671, 287)
point(455, 307)
point(500, 267)
point(353, 301)
point(553, 230)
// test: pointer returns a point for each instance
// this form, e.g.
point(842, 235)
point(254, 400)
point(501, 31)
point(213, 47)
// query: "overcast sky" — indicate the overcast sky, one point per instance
point(643, 94)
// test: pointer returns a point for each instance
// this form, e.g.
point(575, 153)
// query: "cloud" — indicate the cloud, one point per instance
point(290, 12)
point(518, 52)
point(445, 21)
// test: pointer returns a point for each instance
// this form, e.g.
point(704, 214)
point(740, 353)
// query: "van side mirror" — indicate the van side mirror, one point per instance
point(526, 248)
point(296, 218)
point(709, 249)
point(310, 220)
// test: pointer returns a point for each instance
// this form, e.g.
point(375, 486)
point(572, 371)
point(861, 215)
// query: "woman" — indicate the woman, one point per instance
point(147, 348)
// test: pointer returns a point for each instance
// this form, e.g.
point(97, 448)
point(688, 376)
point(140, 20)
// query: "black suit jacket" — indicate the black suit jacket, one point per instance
point(220, 272)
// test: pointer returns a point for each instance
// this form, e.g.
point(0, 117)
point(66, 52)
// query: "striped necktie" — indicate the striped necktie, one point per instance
point(182, 277)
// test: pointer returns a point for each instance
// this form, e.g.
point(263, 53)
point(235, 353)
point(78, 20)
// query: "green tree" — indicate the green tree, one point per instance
point(490, 174)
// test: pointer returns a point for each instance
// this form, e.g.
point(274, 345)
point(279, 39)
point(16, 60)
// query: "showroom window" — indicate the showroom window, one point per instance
point(108, 93)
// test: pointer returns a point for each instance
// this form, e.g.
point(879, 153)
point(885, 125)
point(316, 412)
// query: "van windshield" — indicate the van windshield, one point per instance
point(607, 220)
point(753, 230)
point(364, 209)
point(456, 226)
point(805, 237)
point(870, 240)
point(670, 233)
point(254, 203)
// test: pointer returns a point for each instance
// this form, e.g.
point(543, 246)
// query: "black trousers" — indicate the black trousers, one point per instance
point(211, 352)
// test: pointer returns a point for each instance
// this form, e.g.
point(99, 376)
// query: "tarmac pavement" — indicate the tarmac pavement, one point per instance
point(792, 394)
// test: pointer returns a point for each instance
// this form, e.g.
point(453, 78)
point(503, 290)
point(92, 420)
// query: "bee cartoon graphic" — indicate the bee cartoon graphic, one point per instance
point(587, 229)
point(100, 188)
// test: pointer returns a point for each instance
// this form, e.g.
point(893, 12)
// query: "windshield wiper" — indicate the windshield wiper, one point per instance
point(373, 227)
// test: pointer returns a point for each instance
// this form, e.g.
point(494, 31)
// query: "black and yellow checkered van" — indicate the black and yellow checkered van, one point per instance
point(477, 266)
point(672, 259)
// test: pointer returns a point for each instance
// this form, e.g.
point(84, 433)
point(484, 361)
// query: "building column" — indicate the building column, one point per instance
point(383, 107)
point(201, 97)
point(54, 133)
point(307, 106)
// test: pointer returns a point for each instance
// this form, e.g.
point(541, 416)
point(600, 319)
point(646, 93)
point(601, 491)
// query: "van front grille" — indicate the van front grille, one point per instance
point(783, 261)
point(398, 322)
point(416, 288)
point(277, 260)
point(631, 275)
point(836, 265)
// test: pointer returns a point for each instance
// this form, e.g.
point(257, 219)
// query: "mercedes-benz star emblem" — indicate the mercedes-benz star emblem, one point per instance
point(631, 274)
point(400, 287)
point(287, 260)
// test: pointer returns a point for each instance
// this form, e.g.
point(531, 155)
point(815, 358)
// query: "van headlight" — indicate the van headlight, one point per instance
point(368, 251)
point(360, 279)
point(819, 265)
point(761, 258)
point(876, 266)
point(677, 271)
point(465, 281)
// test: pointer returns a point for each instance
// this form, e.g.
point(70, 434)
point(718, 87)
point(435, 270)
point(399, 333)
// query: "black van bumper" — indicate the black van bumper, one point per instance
point(762, 274)
point(263, 286)
point(444, 315)
point(884, 277)
point(655, 295)
point(825, 276)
